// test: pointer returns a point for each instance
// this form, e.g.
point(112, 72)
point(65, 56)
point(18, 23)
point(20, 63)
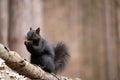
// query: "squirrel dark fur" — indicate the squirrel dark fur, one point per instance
point(51, 59)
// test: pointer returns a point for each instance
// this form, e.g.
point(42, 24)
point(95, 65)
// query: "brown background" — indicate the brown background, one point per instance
point(90, 28)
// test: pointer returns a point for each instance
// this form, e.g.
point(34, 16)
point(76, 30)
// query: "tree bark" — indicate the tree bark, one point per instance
point(3, 21)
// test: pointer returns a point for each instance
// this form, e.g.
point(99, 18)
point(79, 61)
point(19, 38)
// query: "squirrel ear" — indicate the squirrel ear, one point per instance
point(37, 30)
point(30, 28)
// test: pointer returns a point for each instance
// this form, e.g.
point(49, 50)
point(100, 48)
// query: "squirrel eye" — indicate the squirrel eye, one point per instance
point(30, 28)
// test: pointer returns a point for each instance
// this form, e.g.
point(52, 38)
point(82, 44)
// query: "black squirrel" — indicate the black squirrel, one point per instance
point(51, 59)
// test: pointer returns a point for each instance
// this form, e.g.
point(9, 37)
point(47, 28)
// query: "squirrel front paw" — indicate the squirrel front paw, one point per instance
point(28, 43)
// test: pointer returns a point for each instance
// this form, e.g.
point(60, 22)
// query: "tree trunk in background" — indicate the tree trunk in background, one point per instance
point(23, 15)
point(73, 29)
point(3, 21)
point(111, 35)
point(20, 20)
point(118, 30)
point(92, 22)
point(60, 24)
point(98, 22)
point(37, 14)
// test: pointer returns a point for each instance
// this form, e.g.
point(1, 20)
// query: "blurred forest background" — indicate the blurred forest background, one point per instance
point(90, 28)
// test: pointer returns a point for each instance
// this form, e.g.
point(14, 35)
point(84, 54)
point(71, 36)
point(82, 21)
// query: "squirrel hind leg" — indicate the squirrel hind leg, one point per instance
point(48, 64)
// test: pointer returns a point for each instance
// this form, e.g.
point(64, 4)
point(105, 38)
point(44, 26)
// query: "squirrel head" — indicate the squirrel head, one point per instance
point(33, 35)
point(37, 30)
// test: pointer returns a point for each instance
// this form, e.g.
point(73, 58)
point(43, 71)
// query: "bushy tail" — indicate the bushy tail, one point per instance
point(61, 56)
